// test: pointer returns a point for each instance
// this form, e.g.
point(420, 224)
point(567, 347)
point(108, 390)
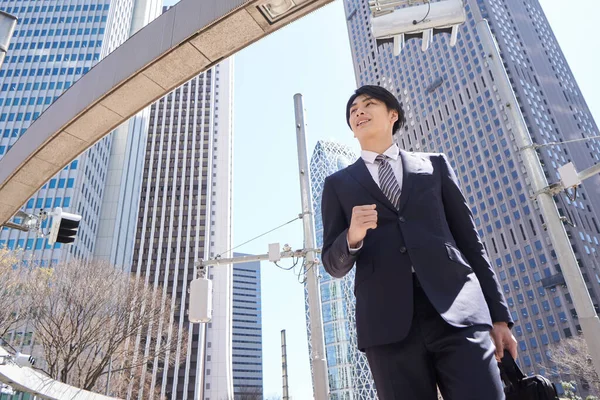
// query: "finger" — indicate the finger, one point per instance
point(363, 216)
point(367, 218)
point(499, 348)
point(371, 226)
point(513, 349)
point(364, 208)
point(364, 211)
point(499, 352)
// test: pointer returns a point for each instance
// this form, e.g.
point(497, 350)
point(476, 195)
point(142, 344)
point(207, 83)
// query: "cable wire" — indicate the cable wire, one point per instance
point(259, 236)
point(568, 141)
point(415, 22)
point(303, 281)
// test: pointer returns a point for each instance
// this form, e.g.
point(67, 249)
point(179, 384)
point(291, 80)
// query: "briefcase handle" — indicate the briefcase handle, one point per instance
point(509, 370)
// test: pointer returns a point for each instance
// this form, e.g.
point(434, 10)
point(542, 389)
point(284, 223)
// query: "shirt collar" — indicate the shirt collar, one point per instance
point(392, 152)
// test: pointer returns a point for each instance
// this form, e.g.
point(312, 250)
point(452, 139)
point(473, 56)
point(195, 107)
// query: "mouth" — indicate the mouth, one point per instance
point(361, 123)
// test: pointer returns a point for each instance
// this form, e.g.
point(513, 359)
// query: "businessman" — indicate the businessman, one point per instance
point(429, 309)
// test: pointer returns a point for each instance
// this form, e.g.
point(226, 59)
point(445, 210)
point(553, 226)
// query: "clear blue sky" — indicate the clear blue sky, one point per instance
point(312, 57)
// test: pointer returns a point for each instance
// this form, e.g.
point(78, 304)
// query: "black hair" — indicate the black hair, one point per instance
point(381, 94)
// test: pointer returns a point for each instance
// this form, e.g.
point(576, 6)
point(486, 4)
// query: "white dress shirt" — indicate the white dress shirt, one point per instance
point(395, 161)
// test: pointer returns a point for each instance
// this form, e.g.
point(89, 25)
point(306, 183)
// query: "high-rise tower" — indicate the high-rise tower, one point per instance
point(184, 216)
point(450, 98)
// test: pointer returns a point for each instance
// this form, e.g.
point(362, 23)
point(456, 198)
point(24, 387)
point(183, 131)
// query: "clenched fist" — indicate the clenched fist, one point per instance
point(363, 219)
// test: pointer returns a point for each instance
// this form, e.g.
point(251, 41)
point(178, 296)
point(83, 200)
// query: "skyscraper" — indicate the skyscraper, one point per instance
point(184, 216)
point(118, 215)
point(349, 374)
point(55, 43)
point(247, 331)
point(450, 98)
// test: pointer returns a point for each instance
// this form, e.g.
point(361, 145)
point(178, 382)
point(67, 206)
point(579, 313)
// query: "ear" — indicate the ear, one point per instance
point(394, 115)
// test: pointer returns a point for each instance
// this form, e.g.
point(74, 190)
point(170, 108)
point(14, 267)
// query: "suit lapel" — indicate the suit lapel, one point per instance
point(361, 174)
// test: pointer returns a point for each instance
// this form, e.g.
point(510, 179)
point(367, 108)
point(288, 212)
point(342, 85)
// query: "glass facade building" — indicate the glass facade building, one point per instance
point(247, 331)
point(54, 44)
point(349, 374)
point(452, 105)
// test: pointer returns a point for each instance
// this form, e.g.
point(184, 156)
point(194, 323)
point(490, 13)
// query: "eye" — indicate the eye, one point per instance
point(368, 104)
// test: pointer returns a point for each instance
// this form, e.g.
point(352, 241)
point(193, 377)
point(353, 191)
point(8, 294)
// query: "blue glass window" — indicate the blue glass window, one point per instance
point(523, 347)
point(518, 330)
point(557, 302)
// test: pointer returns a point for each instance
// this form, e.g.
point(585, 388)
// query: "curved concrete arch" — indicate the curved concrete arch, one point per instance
point(188, 39)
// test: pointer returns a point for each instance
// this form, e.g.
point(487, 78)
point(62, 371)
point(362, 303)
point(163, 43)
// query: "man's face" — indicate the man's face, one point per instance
point(370, 118)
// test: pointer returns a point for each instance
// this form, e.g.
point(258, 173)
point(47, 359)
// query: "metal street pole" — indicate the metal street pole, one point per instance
point(318, 361)
point(584, 306)
point(286, 395)
point(8, 23)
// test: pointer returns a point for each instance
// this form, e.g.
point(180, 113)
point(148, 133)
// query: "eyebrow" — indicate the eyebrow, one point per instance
point(354, 103)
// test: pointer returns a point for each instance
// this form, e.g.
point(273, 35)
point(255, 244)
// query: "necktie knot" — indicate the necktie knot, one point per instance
point(381, 158)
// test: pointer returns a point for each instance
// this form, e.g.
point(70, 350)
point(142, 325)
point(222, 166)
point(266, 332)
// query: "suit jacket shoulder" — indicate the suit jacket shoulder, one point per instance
point(343, 173)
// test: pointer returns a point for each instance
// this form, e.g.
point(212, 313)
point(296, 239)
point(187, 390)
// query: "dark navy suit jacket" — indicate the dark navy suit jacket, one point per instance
point(433, 231)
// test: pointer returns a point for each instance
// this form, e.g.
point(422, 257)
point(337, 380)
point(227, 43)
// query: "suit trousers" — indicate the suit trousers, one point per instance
point(459, 360)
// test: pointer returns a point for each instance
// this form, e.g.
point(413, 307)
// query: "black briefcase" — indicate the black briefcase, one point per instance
point(521, 387)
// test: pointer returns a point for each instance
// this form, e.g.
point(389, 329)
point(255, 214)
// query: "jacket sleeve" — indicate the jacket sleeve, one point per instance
point(336, 256)
point(462, 226)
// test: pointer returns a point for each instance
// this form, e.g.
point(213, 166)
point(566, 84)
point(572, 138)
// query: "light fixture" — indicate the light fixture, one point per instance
point(274, 10)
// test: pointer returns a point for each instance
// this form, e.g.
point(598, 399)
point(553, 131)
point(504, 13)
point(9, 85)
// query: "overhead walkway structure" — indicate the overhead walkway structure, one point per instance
point(185, 41)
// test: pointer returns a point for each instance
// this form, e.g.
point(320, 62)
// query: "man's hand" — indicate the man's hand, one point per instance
point(363, 219)
point(503, 339)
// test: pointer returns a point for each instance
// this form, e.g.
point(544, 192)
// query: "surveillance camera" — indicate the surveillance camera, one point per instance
point(24, 360)
point(397, 25)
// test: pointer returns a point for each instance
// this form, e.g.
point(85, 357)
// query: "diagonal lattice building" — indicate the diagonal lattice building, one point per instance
point(349, 374)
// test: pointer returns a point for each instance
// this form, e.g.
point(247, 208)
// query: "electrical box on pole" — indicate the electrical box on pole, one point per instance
point(64, 227)
point(274, 252)
point(201, 291)
point(569, 176)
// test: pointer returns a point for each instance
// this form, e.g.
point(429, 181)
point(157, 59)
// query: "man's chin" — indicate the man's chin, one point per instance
point(365, 133)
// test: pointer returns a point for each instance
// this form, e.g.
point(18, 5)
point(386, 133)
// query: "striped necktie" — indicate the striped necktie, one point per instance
point(387, 181)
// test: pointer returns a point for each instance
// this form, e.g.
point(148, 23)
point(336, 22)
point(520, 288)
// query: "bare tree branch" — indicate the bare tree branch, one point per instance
point(13, 278)
point(572, 358)
point(87, 316)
